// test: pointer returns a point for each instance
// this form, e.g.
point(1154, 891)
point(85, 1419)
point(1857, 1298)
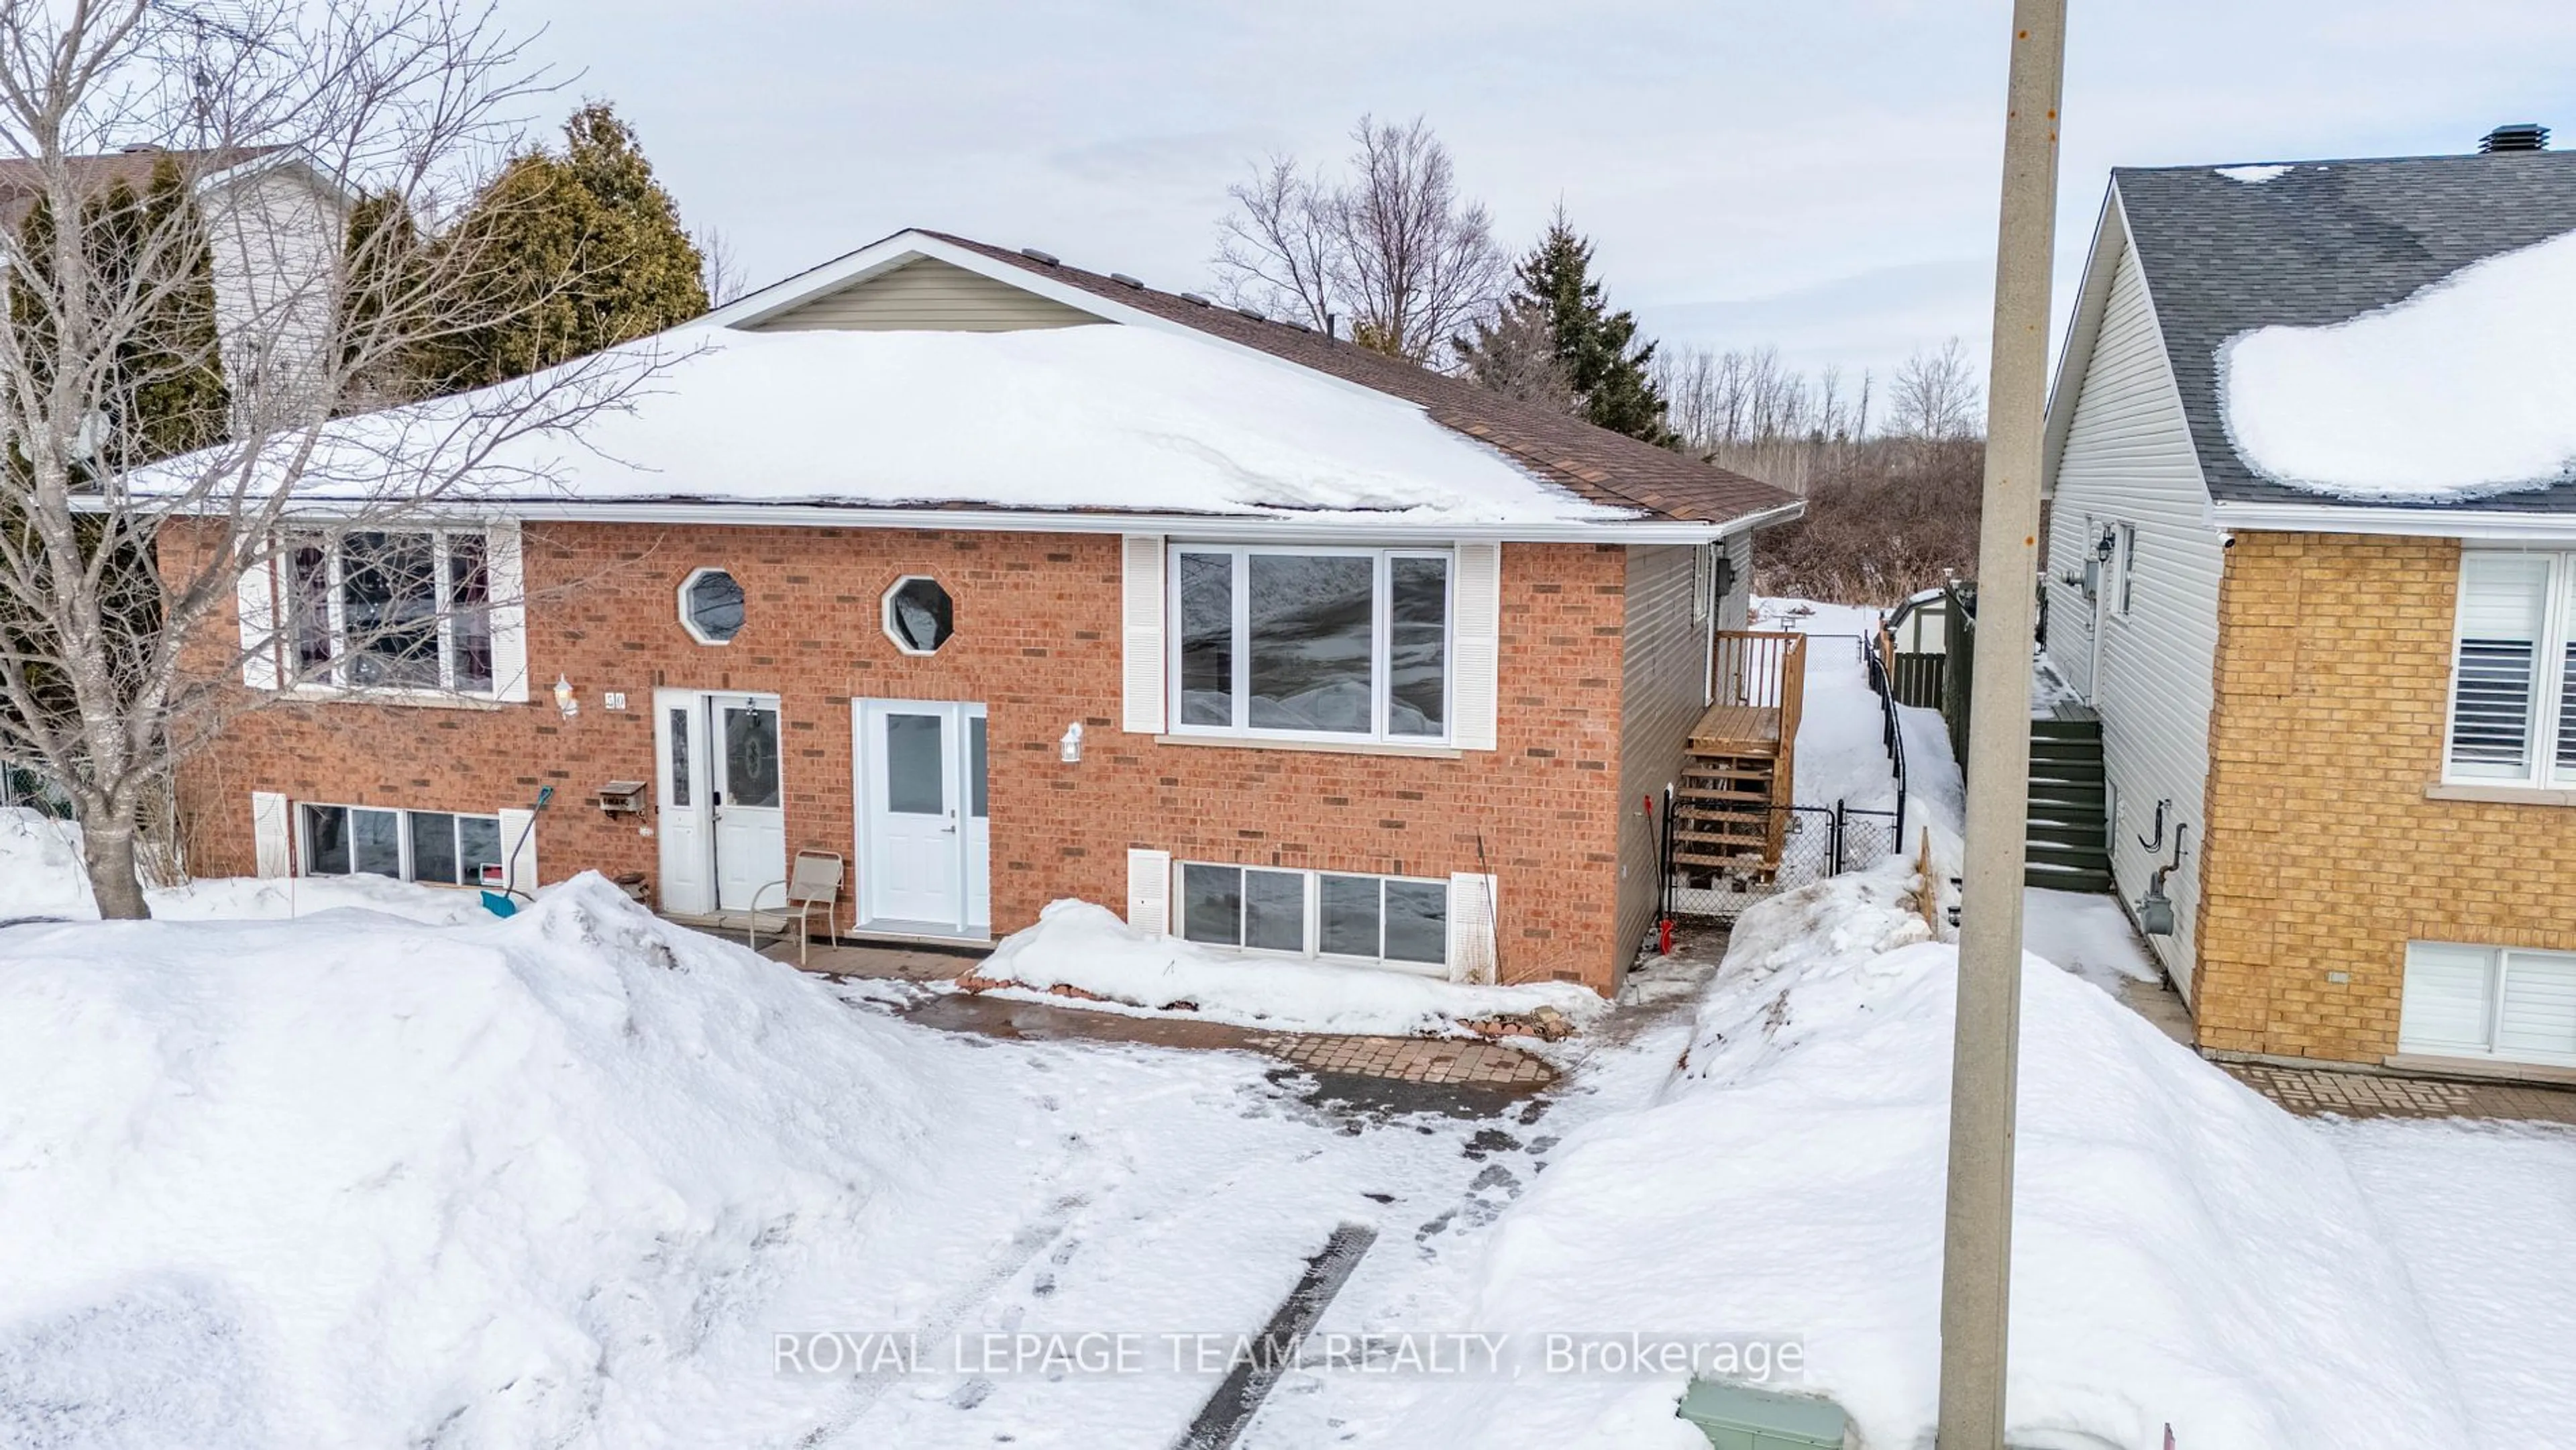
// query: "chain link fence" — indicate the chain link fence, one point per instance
point(1816, 842)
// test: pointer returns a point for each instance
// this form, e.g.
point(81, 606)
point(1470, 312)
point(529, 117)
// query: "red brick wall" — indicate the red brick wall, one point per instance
point(1038, 642)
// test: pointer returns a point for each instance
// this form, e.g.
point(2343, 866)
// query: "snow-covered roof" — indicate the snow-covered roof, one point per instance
point(1122, 420)
point(2466, 389)
point(2343, 351)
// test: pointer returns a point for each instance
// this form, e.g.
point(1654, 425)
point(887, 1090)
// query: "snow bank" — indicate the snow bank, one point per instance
point(2465, 389)
point(1051, 418)
point(41, 878)
point(1076, 944)
point(2086, 933)
point(347, 1180)
point(2184, 1251)
point(2256, 175)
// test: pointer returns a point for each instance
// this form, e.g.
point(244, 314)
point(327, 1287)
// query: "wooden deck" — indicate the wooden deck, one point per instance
point(1737, 729)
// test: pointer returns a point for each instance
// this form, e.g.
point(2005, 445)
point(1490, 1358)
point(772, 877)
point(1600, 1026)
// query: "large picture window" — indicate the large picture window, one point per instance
point(441, 847)
point(1393, 920)
point(2513, 672)
point(391, 610)
point(1336, 643)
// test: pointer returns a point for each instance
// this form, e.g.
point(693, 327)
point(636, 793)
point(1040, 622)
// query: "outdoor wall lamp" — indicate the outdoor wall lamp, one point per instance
point(1069, 749)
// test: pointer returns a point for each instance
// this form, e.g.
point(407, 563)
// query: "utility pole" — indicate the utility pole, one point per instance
point(1976, 1260)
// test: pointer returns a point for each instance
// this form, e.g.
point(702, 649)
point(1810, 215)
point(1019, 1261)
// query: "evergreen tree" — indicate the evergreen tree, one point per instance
point(579, 252)
point(1596, 352)
point(166, 395)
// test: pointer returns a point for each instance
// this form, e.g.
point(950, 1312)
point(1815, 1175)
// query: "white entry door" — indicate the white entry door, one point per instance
point(685, 821)
point(748, 800)
point(924, 842)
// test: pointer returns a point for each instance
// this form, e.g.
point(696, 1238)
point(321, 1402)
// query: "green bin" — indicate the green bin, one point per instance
point(1739, 1417)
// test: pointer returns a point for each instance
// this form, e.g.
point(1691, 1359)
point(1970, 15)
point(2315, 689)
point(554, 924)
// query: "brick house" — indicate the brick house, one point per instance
point(1010, 581)
point(2336, 686)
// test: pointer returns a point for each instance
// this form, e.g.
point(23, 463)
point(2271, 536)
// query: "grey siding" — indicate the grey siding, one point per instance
point(2128, 459)
point(1663, 673)
point(925, 295)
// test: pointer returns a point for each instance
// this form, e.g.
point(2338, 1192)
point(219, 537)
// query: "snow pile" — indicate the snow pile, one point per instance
point(2467, 388)
point(1049, 418)
point(349, 1180)
point(2256, 175)
point(2184, 1251)
point(1086, 947)
point(41, 878)
point(40, 868)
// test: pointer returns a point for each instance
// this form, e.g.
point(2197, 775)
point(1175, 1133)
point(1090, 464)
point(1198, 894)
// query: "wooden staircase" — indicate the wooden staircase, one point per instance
point(1739, 768)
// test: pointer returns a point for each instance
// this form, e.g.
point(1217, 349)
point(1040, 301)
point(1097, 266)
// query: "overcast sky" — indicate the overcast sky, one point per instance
point(1815, 174)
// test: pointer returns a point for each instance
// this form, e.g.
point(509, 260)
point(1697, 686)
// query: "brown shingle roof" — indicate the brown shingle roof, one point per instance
point(22, 179)
point(1592, 462)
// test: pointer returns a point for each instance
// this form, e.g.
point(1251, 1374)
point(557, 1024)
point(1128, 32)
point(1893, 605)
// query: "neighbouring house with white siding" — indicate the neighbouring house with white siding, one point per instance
point(2312, 560)
point(274, 227)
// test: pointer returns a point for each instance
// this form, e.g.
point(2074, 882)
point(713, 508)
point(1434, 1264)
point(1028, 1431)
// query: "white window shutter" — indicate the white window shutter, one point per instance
point(255, 602)
point(519, 849)
point(268, 834)
point(2448, 1004)
point(1149, 891)
point(1475, 636)
point(1472, 956)
point(1141, 633)
point(505, 574)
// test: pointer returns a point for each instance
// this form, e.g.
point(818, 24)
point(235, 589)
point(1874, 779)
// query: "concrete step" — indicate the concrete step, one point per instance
point(2065, 878)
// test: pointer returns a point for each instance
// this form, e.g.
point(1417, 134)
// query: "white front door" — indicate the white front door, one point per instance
point(748, 800)
point(924, 844)
point(684, 819)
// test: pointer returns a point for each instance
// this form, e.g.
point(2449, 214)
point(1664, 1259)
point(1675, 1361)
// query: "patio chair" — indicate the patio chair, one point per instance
point(813, 884)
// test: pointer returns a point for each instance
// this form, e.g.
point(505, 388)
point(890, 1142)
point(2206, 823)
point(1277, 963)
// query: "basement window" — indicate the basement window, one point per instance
point(1394, 921)
point(438, 847)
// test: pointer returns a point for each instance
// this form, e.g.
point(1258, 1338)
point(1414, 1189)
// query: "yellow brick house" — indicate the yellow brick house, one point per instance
point(2312, 469)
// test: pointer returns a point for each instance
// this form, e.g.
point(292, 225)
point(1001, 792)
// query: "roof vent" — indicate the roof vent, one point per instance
point(1034, 255)
point(2520, 136)
point(1194, 297)
point(1252, 312)
point(1123, 280)
point(139, 148)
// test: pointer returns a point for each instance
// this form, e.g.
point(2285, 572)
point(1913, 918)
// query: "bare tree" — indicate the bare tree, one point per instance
point(311, 301)
point(719, 270)
point(1745, 409)
point(1280, 250)
point(1934, 396)
point(1394, 248)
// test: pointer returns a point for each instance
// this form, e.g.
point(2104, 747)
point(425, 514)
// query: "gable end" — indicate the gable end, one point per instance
point(924, 295)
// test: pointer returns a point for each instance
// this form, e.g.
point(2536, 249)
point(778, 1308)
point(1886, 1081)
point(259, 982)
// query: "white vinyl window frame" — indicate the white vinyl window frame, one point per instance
point(1311, 948)
point(2549, 712)
point(2438, 1019)
point(340, 669)
point(404, 828)
point(1381, 641)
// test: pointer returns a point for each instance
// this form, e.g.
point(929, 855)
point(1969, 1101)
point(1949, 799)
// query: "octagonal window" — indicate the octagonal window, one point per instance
point(919, 616)
point(711, 606)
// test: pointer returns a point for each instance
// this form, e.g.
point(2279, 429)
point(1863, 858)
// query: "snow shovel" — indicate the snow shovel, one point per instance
point(500, 903)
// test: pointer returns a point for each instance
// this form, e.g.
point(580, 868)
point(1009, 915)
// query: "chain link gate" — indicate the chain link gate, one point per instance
point(1816, 842)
